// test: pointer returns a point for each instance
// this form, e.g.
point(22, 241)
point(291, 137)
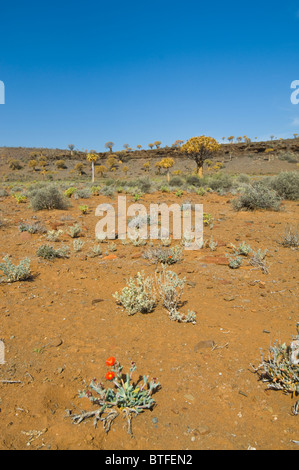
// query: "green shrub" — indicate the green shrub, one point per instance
point(48, 198)
point(221, 182)
point(48, 252)
point(257, 196)
point(286, 185)
point(176, 181)
point(139, 296)
point(14, 273)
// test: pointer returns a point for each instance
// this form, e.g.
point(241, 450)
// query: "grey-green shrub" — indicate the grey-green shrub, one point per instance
point(286, 185)
point(48, 252)
point(139, 296)
point(257, 196)
point(13, 273)
point(47, 198)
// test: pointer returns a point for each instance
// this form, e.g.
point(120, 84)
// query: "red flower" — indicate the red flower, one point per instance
point(110, 361)
point(110, 375)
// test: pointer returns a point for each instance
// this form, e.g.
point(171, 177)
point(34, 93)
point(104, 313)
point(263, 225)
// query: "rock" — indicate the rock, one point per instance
point(111, 256)
point(202, 430)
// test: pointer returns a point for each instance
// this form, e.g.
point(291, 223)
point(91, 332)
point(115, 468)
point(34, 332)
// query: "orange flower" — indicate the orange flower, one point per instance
point(110, 361)
point(110, 375)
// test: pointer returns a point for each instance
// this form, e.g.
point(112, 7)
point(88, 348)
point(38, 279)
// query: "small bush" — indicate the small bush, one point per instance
point(163, 255)
point(257, 196)
point(128, 397)
point(37, 227)
point(75, 231)
point(48, 198)
point(48, 252)
point(176, 181)
point(170, 287)
point(287, 185)
point(139, 296)
point(83, 194)
point(290, 237)
point(14, 273)
point(280, 369)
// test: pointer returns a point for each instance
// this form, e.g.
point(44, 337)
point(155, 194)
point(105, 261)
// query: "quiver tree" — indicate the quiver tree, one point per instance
point(167, 163)
point(101, 170)
point(92, 158)
point(71, 147)
point(200, 149)
point(109, 146)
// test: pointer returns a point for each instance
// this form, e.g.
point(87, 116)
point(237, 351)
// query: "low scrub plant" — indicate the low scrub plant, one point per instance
point(127, 396)
point(48, 198)
point(70, 191)
point(75, 231)
point(20, 198)
point(138, 296)
point(49, 253)
point(163, 255)
point(290, 238)
point(257, 260)
point(83, 209)
point(13, 273)
point(257, 196)
point(235, 263)
point(78, 244)
point(280, 370)
point(54, 235)
point(37, 227)
point(286, 185)
point(170, 288)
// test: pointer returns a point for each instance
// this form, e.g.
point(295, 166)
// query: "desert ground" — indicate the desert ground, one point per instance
point(60, 326)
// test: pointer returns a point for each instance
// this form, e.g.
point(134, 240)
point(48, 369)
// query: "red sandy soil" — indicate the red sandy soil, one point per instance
point(60, 327)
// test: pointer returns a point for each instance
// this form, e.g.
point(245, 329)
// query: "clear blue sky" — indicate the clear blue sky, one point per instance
point(139, 71)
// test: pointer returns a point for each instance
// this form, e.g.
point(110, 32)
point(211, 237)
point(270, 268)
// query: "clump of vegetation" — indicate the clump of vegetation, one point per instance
point(257, 196)
point(96, 251)
point(139, 296)
point(286, 184)
point(54, 235)
point(170, 287)
point(290, 237)
point(83, 209)
point(37, 227)
point(128, 397)
point(14, 273)
point(69, 192)
point(78, 244)
point(49, 253)
point(83, 193)
point(243, 249)
point(48, 198)
point(162, 255)
point(235, 263)
point(257, 260)
point(75, 231)
point(15, 165)
point(20, 198)
point(280, 370)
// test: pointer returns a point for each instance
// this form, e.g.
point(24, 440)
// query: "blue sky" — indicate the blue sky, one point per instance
point(139, 71)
